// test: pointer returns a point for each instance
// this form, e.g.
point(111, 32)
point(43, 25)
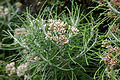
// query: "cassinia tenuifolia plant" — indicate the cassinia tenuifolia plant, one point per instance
point(7, 15)
point(54, 47)
point(65, 46)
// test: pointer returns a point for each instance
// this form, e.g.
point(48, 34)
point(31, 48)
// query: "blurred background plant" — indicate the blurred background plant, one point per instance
point(8, 11)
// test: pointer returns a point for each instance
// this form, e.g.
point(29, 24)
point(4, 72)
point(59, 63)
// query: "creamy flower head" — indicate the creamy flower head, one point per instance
point(18, 4)
point(58, 31)
point(10, 68)
point(6, 11)
point(21, 69)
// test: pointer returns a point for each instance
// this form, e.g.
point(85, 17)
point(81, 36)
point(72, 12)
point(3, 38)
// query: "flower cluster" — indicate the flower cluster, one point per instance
point(3, 11)
point(18, 4)
point(110, 60)
point(22, 69)
point(106, 44)
point(10, 68)
point(56, 31)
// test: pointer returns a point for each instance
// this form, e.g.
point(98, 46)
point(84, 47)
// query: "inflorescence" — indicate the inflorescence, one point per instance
point(10, 68)
point(21, 69)
point(57, 31)
point(111, 61)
